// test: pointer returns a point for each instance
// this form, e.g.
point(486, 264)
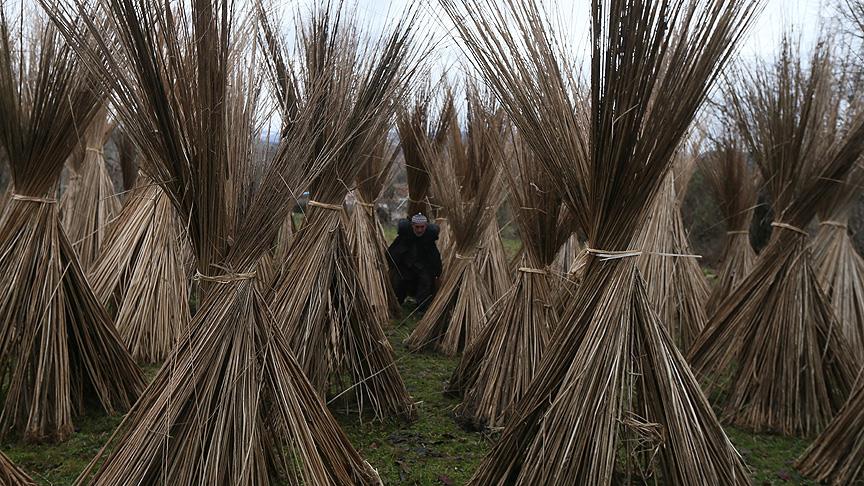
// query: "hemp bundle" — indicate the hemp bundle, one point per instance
point(494, 268)
point(230, 405)
point(568, 255)
point(613, 400)
point(837, 455)
point(274, 259)
point(676, 285)
point(734, 188)
point(366, 235)
point(141, 272)
point(57, 344)
point(497, 367)
point(320, 299)
point(569, 263)
point(465, 179)
point(424, 123)
point(12, 475)
point(839, 267)
point(774, 345)
point(89, 202)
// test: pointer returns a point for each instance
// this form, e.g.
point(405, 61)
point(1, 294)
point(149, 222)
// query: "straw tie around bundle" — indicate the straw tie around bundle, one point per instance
point(33, 199)
point(836, 224)
point(329, 207)
point(605, 255)
point(227, 278)
point(538, 271)
point(790, 227)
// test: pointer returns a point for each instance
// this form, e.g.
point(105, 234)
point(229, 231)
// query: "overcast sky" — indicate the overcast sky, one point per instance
point(803, 15)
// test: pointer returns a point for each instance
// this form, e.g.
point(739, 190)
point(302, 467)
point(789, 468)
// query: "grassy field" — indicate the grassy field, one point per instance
point(431, 451)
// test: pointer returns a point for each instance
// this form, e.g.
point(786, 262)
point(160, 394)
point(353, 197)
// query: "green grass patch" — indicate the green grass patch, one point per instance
point(770, 457)
point(432, 450)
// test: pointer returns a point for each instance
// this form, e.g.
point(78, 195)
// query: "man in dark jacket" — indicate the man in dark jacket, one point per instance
point(415, 260)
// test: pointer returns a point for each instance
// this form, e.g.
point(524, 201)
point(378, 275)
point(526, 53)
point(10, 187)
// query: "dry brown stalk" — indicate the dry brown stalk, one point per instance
point(230, 405)
point(465, 179)
point(321, 299)
point(273, 261)
point(676, 285)
point(837, 455)
point(734, 188)
point(61, 352)
point(840, 270)
point(141, 272)
point(569, 263)
point(568, 255)
point(613, 400)
point(89, 202)
point(365, 233)
point(774, 343)
point(494, 268)
point(12, 475)
point(839, 266)
point(418, 125)
point(497, 367)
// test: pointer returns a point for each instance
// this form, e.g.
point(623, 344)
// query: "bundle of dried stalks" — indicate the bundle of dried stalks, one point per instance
point(734, 188)
point(465, 178)
point(838, 265)
point(141, 272)
point(567, 255)
point(837, 455)
point(676, 284)
point(62, 354)
point(230, 405)
point(365, 233)
point(569, 262)
point(12, 475)
point(568, 267)
point(498, 366)
point(274, 259)
point(425, 123)
point(774, 344)
point(494, 268)
point(89, 202)
point(613, 400)
point(320, 299)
